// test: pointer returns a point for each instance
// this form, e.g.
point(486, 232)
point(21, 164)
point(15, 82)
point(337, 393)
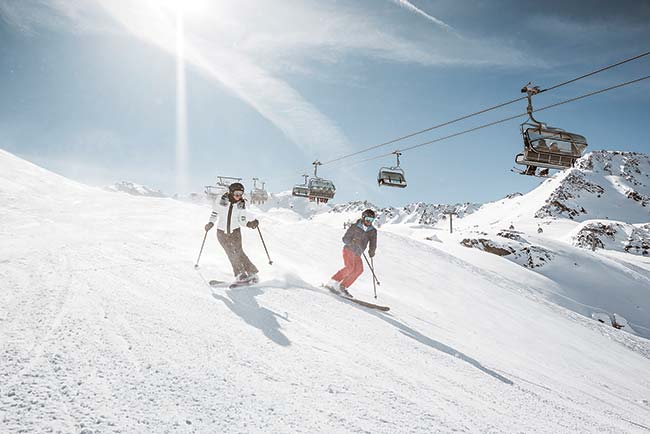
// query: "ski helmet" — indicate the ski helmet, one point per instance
point(368, 213)
point(235, 186)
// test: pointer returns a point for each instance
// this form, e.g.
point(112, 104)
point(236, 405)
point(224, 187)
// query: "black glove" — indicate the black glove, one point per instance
point(209, 226)
point(371, 254)
point(253, 224)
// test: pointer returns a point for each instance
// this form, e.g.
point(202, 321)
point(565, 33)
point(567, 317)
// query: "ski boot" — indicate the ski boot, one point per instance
point(344, 291)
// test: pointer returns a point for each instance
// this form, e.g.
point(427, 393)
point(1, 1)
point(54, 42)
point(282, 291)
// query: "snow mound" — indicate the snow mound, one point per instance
point(135, 189)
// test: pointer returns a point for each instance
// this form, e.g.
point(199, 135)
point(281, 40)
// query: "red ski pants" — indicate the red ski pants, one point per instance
point(352, 269)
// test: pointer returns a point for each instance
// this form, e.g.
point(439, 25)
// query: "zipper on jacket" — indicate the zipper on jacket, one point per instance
point(229, 217)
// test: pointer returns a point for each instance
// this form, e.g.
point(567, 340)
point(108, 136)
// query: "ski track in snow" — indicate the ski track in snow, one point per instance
point(106, 327)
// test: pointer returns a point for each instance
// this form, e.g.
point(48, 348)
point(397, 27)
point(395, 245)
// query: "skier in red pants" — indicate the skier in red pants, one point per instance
point(356, 238)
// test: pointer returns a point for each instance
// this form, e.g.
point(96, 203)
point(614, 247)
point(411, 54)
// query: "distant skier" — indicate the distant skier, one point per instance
point(356, 239)
point(231, 209)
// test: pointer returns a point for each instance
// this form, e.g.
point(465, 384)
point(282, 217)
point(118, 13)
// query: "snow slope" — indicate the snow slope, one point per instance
point(106, 327)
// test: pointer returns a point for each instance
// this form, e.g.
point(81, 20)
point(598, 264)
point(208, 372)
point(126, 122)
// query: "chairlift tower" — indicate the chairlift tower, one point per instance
point(451, 212)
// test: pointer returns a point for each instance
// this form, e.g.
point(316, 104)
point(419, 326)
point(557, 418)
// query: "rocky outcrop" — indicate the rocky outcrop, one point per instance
point(602, 185)
point(524, 254)
point(616, 236)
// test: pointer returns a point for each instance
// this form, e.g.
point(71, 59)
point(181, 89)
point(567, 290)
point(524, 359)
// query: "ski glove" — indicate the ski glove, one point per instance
point(209, 226)
point(253, 224)
point(371, 254)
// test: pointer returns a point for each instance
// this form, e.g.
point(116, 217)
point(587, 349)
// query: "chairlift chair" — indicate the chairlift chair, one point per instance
point(301, 190)
point(392, 176)
point(220, 187)
point(212, 191)
point(546, 147)
point(320, 189)
point(225, 181)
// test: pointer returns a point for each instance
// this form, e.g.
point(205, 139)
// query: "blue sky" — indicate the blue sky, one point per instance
point(89, 88)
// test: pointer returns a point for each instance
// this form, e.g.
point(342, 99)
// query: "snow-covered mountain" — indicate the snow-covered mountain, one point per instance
point(135, 189)
point(415, 213)
point(594, 213)
point(106, 326)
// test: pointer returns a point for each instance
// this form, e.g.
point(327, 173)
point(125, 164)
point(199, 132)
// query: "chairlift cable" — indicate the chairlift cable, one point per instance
point(504, 120)
point(425, 130)
point(494, 107)
point(596, 71)
point(605, 68)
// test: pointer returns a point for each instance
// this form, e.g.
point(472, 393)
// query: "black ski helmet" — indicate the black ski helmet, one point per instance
point(368, 213)
point(235, 186)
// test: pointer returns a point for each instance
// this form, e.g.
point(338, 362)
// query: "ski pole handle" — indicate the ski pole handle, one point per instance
point(201, 251)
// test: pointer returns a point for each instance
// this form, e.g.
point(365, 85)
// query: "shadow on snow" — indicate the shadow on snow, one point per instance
point(242, 302)
point(414, 334)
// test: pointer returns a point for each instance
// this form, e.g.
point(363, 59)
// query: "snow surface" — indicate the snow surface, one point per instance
point(106, 326)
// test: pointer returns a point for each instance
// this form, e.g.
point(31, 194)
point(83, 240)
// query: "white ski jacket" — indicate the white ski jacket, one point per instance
point(231, 215)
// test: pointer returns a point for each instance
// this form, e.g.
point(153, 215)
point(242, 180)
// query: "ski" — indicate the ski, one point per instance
point(244, 283)
point(236, 284)
point(357, 301)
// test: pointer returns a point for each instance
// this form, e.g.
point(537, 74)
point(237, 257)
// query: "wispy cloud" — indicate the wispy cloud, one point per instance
point(246, 45)
point(272, 97)
point(411, 7)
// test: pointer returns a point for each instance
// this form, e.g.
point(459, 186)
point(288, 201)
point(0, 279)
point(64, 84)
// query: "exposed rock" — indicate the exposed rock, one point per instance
point(487, 246)
point(616, 236)
point(601, 185)
point(559, 203)
point(512, 235)
point(525, 255)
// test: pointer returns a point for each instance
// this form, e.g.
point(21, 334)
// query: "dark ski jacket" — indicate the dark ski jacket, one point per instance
point(356, 239)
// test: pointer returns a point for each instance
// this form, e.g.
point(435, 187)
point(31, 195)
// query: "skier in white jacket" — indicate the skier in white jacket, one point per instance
point(231, 210)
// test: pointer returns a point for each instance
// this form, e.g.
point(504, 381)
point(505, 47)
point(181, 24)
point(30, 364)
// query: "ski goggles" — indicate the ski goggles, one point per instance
point(238, 193)
point(369, 219)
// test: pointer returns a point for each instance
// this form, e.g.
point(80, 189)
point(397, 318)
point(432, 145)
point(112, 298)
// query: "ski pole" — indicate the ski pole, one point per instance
point(374, 285)
point(375, 281)
point(371, 269)
point(201, 251)
point(264, 244)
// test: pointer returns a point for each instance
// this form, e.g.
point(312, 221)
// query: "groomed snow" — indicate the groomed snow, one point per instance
point(107, 327)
